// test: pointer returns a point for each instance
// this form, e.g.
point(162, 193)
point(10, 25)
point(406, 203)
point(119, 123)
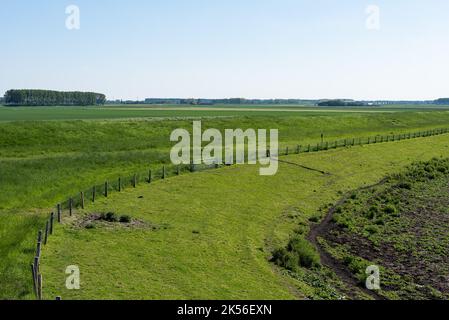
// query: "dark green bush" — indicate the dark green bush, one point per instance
point(372, 229)
point(286, 259)
point(390, 209)
point(125, 219)
point(299, 252)
point(405, 185)
point(306, 253)
point(357, 267)
point(109, 217)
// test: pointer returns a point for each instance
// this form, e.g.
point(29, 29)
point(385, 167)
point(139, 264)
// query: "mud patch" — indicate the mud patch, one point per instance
point(99, 220)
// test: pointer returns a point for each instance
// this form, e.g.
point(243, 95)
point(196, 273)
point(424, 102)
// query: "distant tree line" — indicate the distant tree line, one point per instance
point(52, 98)
point(341, 103)
point(230, 101)
point(444, 101)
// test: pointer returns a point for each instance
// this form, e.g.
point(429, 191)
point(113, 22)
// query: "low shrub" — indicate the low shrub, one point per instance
point(125, 219)
point(109, 217)
point(390, 209)
point(306, 253)
point(372, 229)
point(90, 226)
point(286, 259)
point(357, 267)
point(405, 185)
point(299, 253)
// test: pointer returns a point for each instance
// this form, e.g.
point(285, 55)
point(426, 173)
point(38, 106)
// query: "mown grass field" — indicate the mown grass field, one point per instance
point(210, 235)
point(48, 154)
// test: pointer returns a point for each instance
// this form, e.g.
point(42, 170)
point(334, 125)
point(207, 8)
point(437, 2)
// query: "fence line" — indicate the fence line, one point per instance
point(79, 201)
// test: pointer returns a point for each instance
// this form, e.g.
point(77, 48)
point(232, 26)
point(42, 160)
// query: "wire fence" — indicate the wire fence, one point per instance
point(90, 195)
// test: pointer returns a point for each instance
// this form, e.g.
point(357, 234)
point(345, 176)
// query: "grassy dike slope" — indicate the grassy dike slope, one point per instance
point(45, 162)
point(215, 230)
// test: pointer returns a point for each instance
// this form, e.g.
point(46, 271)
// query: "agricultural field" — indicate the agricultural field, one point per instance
point(49, 154)
point(187, 111)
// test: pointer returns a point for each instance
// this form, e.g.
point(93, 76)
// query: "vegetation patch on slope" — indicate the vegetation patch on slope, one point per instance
point(401, 226)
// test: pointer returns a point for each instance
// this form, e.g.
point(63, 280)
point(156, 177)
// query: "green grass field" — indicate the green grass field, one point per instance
point(210, 234)
point(48, 154)
point(181, 111)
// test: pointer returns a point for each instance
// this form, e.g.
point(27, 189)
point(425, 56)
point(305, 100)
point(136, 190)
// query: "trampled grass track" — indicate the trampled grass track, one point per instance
point(221, 227)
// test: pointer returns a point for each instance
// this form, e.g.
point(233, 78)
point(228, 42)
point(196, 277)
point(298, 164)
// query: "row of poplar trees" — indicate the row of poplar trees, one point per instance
point(52, 98)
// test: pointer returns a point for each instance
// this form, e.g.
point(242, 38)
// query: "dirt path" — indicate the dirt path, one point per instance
point(339, 268)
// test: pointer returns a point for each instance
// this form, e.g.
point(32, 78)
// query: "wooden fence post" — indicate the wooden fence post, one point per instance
point(135, 181)
point(164, 174)
point(150, 176)
point(33, 273)
point(59, 213)
point(94, 191)
point(39, 244)
point(82, 200)
point(119, 184)
point(52, 218)
point(47, 226)
point(36, 267)
point(106, 189)
point(70, 206)
point(39, 281)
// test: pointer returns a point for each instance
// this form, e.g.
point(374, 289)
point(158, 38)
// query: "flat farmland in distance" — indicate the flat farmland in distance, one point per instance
point(187, 111)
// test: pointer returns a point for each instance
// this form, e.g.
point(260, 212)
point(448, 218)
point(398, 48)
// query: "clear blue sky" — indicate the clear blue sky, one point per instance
point(228, 48)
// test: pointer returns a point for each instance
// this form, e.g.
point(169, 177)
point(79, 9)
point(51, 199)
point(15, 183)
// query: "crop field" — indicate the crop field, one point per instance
point(183, 111)
point(49, 154)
